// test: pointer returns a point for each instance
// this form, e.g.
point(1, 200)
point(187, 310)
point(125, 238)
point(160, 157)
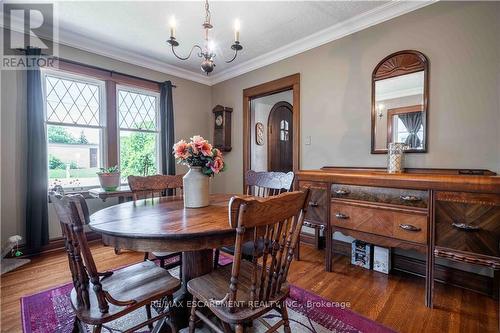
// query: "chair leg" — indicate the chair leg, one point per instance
point(148, 314)
point(97, 329)
point(284, 315)
point(77, 326)
point(216, 258)
point(239, 328)
point(146, 256)
point(162, 263)
point(297, 250)
point(180, 267)
point(117, 251)
point(192, 317)
point(226, 327)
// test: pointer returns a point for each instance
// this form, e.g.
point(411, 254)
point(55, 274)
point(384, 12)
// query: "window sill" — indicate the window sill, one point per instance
point(84, 191)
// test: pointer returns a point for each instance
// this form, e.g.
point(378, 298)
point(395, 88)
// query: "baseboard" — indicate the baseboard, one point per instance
point(55, 244)
point(443, 274)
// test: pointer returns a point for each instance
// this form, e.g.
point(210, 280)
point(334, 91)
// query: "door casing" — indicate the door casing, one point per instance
point(291, 82)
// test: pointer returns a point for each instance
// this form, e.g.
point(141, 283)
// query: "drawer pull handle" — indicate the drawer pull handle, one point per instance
point(409, 227)
point(465, 226)
point(411, 198)
point(341, 216)
point(313, 203)
point(341, 192)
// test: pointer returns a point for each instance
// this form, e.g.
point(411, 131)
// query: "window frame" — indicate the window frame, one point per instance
point(138, 90)
point(110, 135)
point(102, 127)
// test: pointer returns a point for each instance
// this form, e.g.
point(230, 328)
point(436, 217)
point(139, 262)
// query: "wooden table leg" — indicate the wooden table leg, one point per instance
point(194, 264)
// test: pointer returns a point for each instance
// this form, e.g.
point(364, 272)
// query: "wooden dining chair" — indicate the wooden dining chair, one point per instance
point(100, 297)
point(260, 184)
point(239, 293)
point(155, 186)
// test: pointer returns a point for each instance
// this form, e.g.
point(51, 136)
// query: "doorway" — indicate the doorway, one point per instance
point(271, 139)
point(279, 138)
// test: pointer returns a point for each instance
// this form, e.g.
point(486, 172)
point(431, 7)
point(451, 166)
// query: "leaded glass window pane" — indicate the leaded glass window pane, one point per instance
point(71, 101)
point(137, 110)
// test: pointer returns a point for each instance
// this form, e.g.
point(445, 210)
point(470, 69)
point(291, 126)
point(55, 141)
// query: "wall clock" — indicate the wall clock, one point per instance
point(259, 134)
point(222, 127)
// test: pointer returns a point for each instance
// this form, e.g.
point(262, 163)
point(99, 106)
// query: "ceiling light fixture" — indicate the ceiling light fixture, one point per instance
point(207, 52)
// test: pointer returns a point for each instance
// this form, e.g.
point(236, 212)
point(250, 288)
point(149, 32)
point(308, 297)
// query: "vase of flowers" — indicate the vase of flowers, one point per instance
point(204, 161)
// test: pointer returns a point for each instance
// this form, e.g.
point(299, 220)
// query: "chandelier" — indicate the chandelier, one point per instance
point(207, 52)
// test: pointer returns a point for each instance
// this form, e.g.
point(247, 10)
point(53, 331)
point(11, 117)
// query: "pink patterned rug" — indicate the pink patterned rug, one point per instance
point(50, 311)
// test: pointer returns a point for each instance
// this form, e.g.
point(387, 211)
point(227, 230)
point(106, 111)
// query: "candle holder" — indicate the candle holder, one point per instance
point(395, 157)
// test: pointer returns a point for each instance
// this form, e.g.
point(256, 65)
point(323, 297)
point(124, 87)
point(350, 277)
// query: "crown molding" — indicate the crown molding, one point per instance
point(81, 42)
point(84, 43)
point(357, 23)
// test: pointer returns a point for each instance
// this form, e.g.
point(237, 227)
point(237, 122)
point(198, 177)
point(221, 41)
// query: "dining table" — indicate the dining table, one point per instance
point(163, 224)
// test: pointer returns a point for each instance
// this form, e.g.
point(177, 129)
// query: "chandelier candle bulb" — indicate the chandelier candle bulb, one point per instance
point(211, 46)
point(172, 27)
point(237, 30)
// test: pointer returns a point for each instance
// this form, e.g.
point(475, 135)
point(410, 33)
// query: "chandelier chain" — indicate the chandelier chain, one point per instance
point(207, 12)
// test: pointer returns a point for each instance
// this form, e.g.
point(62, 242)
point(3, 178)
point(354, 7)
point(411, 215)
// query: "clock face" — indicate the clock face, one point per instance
point(219, 120)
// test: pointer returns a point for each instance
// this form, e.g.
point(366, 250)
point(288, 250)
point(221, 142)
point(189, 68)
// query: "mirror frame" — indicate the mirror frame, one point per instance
point(396, 64)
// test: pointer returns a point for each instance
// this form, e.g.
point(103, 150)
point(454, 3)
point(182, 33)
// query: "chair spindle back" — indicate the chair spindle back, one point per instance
point(276, 221)
point(73, 214)
point(155, 185)
point(265, 184)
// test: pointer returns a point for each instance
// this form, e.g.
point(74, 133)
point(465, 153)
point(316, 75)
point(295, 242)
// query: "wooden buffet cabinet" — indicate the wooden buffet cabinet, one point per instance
point(447, 213)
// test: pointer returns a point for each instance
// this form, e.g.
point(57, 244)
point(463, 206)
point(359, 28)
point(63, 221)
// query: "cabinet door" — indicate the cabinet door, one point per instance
point(317, 211)
point(468, 222)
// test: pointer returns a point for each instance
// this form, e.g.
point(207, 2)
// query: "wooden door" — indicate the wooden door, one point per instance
point(280, 138)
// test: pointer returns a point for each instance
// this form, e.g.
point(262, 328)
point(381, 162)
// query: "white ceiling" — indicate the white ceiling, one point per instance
point(136, 31)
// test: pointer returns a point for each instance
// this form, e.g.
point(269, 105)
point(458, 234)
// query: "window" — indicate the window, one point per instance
point(401, 132)
point(284, 134)
point(138, 120)
point(75, 128)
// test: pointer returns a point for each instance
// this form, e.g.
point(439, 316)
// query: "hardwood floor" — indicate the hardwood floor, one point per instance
point(397, 300)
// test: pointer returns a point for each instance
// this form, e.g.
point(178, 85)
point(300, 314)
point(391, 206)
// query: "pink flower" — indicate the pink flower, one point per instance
point(200, 145)
point(218, 153)
point(206, 149)
point(181, 150)
point(217, 165)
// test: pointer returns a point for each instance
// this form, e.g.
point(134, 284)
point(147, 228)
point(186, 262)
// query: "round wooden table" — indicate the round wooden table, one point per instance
point(163, 224)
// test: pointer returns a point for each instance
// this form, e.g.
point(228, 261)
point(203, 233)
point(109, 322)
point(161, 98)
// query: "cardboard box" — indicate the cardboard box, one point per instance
point(381, 259)
point(361, 254)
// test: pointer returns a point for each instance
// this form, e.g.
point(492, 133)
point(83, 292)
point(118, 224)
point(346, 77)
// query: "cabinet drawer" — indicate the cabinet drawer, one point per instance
point(393, 196)
point(468, 222)
point(318, 202)
point(409, 226)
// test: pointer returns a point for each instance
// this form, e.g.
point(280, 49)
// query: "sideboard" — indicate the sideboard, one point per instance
point(447, 213)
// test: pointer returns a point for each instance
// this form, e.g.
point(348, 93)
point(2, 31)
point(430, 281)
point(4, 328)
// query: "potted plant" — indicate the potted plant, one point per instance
point(109, 178)
point(204, 161)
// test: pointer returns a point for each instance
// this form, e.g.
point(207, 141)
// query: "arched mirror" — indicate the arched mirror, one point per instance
point(400, 97)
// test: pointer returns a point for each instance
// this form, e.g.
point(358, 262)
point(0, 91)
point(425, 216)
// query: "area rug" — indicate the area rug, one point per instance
point(50, 311)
